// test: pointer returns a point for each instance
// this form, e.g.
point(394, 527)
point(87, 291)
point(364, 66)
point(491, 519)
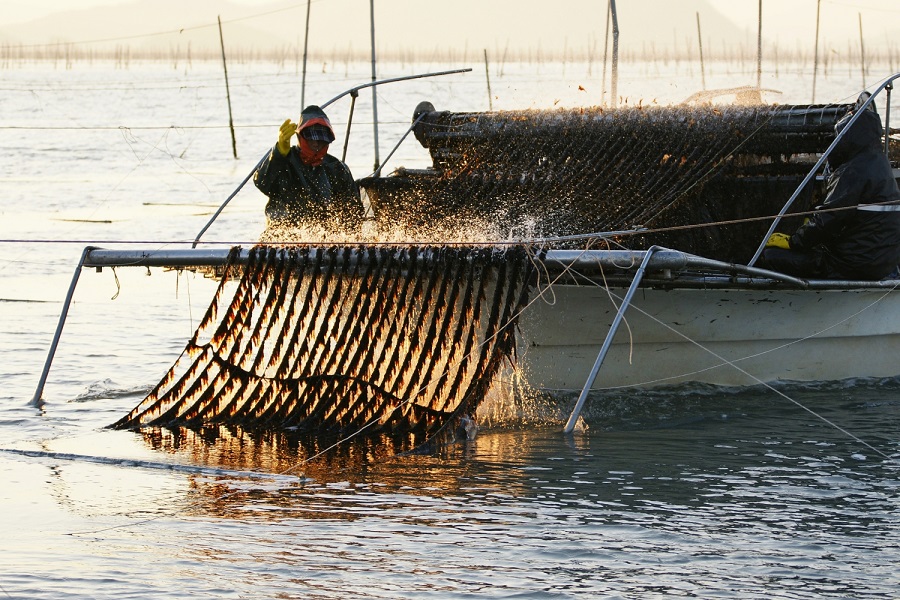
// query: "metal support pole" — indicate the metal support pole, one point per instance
point(887, 120)
point(573, 418)
point(38, 393)
point(353, 96)
point(377, 172)
point(227, 200)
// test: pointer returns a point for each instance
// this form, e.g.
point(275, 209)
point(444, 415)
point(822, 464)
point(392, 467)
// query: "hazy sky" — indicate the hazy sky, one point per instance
point(783, 20)
point(742, 11)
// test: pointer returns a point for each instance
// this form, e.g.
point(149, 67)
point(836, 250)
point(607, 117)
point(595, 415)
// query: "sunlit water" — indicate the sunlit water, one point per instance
point(686, 492)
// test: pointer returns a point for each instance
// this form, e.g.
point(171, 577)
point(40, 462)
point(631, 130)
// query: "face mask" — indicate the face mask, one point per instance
point(308, 156)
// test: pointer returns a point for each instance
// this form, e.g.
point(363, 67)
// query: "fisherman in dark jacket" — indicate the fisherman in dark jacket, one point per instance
point(307, 186)
point(861, 239)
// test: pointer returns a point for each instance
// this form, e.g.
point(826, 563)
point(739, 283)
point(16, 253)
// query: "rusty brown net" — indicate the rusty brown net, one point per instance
point(386, 339)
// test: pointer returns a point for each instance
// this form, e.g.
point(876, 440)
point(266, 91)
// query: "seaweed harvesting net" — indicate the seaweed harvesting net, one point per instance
point(390, 339)
point(546, 173)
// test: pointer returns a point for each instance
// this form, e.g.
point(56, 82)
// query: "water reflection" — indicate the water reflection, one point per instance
point(699, 465)
point(666, 494)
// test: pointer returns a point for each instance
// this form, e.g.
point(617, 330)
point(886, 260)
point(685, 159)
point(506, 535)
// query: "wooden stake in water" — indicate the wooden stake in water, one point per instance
point(487, 75)
point(759, 51)
point(862, 52)
point(605, 50)
point(227, 90)
point(816, 51)
point(700, 43)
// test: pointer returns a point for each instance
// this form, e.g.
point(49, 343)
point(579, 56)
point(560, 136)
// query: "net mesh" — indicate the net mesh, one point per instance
point(387, 339)
point(544, 173)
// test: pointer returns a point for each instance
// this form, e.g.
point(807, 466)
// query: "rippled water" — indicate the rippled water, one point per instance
point(696, 491)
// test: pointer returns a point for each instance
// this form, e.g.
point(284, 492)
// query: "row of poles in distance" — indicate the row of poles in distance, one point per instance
point(303, 80)
point(611, 20)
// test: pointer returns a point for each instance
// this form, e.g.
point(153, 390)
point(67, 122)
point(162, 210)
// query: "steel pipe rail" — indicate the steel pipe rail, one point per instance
point(581, 260)
point(688, 270)
point(555, 261)
point(194, 257)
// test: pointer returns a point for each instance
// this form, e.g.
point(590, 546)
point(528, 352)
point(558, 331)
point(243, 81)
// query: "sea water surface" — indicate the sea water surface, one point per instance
point(692, 491)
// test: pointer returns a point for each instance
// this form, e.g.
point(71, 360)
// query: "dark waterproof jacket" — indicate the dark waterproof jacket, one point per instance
point(862, 242)
point(299, 194)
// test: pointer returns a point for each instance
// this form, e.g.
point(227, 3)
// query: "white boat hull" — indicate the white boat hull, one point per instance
point(733, 337)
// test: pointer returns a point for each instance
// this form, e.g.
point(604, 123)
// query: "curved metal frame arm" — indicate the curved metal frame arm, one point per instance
point(886, 84)
point(227, 200)
point(392, 80)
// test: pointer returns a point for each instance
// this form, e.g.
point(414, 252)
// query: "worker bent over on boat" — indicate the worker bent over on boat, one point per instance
point(855, 233)
point(306, 186)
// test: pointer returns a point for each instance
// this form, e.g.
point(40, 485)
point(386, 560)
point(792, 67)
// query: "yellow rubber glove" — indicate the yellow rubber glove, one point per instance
point(285, 134)
point(779, 240)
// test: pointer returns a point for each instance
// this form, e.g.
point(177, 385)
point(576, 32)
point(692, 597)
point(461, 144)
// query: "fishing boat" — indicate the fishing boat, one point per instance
point(698, 314)
point(627, 259)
